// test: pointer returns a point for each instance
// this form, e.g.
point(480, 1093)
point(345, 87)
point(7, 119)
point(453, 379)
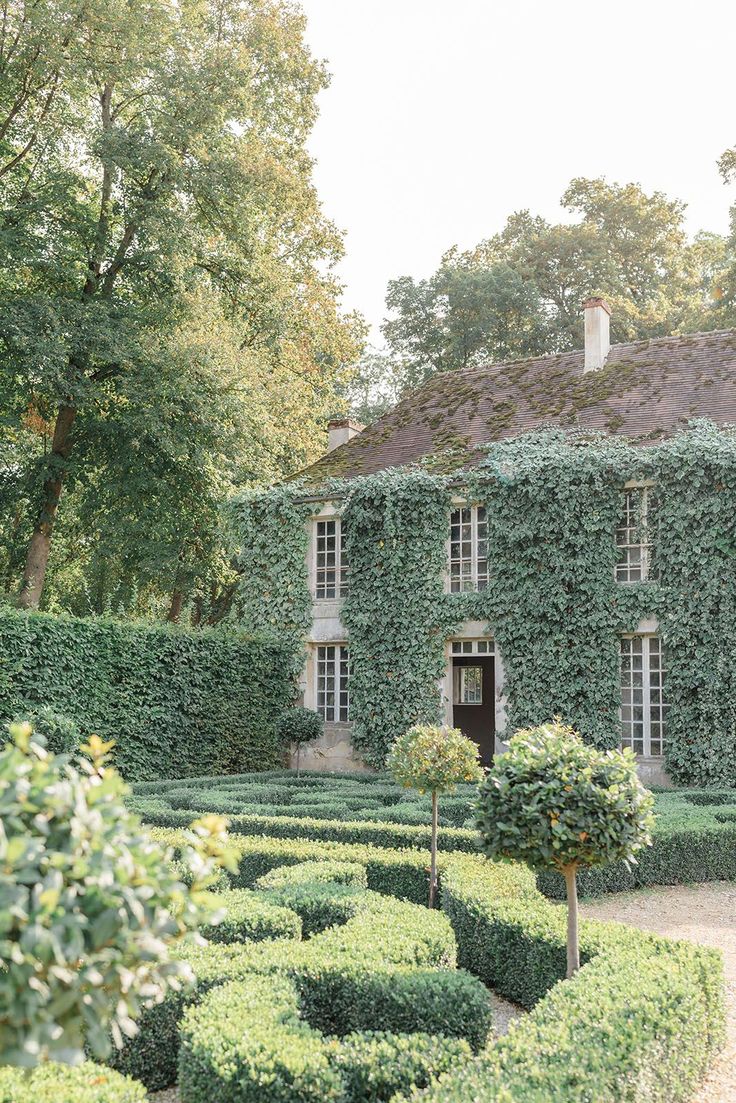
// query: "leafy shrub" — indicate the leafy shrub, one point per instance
point(300, 726)
point(192, 702)
point(53, 1083)
point(433, 760)
point(555, 802)
point(90, 905)
point(61, 735)
point(374, 1065)
point(250, 918)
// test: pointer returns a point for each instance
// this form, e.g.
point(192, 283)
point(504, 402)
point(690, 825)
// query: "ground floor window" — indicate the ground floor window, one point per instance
point(643, 705)
point(333, 665)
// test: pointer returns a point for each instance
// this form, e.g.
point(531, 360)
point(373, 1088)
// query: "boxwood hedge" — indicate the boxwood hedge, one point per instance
point(173, 700)
point(640, 1021)
point(54, 1083)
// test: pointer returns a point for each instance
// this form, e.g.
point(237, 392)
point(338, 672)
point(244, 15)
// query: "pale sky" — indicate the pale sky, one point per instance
point(444, 116)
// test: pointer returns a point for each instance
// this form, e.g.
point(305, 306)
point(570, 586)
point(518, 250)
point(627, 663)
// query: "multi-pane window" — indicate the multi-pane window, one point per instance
point(469, 685)
point(331, 566)
point(634, 534)
point(643, 706)
point(468, 549)
point(333, 662)
point(471, 647)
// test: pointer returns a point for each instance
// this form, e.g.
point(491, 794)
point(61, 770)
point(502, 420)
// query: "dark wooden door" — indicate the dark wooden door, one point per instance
point(474, 701)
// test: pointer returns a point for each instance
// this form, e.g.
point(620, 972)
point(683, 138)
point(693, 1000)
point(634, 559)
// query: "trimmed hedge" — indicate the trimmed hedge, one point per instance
point(250, 918)
point(392, 965)
point(376, 1064)
point(196, 703)
point(54, 1083)
point(400, 873)
point(371, 833)
point(325, 872)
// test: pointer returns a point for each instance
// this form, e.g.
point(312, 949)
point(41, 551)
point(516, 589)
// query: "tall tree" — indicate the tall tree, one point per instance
point(154, 174)
point(520, 292)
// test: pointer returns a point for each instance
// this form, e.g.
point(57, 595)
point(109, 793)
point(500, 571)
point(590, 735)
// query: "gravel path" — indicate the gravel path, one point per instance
point(701, 913)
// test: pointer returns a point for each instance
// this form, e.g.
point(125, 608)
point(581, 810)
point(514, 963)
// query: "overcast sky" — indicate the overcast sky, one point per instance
point(444, 116)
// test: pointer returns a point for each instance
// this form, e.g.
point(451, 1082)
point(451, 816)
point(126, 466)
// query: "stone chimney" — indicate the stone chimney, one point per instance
point(341, 431)
point(597, 336)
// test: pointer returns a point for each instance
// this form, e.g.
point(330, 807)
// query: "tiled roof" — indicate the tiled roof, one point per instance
point(646, 390)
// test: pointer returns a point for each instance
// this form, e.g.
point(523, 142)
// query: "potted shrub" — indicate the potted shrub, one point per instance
point(299, 726)
point(433, 760)
point(555, 802)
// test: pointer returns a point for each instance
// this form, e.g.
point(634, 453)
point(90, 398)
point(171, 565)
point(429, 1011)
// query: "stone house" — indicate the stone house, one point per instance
point(645, 391)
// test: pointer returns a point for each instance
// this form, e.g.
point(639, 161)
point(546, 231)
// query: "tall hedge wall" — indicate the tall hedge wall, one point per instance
point(175, 702)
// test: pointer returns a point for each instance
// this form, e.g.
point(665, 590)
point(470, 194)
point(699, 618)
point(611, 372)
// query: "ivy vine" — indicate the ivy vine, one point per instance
point(396, 612)
point(270, 529)
point(556, 611)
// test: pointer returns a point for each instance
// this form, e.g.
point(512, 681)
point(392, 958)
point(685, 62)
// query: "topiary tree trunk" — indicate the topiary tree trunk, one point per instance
point(573, 948)
point(433, 854)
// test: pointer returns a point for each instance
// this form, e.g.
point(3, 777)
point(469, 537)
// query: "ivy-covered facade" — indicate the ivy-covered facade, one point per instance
point(567, 568)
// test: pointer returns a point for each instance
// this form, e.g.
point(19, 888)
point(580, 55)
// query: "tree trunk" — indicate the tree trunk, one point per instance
point(433, 856)
point(573, 950)
point(177, 600)
point(37, 557)
point(298, 755)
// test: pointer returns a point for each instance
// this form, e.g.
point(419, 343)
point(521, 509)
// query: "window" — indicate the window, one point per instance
point(468, 549)
point(643, 707)
point(633, 534)
point(333, 662)
point(331, 566)
point(471, 647)
point(469, 685)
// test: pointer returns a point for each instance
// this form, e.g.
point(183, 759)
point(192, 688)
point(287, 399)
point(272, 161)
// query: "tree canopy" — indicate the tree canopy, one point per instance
point(169, 320)
point(520, 292)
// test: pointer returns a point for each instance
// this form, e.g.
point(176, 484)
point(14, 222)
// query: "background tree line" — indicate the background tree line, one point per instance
point(520, 292)
point(169, 319)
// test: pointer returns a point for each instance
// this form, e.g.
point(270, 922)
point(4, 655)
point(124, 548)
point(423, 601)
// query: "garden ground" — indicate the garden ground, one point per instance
point(701, 913)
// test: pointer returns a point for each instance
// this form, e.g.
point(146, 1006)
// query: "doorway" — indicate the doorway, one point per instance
point(474, 701)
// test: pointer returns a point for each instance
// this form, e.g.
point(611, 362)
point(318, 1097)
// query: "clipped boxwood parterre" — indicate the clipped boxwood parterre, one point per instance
point(640, 1021)
point(694, 832)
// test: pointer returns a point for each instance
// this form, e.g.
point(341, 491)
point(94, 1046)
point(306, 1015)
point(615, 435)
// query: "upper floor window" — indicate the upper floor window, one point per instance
point(331, 564)
point(468, 549)
point(333, 669)
point(643, 705)
point(634, 534)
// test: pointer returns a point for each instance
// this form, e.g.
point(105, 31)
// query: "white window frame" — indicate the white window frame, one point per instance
point(338, 712)
point(473, 568)
point(471, 647)
point(653, 705)
point(321, 569)
point(636, 533)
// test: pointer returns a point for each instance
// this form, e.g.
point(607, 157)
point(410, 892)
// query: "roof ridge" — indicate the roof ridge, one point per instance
point(640, 341)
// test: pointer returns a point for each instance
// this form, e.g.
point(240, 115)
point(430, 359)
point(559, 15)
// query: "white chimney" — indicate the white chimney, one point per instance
point(597, 335)
point(341, 431)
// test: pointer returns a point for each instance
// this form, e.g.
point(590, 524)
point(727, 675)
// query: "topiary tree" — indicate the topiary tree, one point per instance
point(555, 802)
point(300, 726)
point(60, 733)
point(433, 760)
point(89, 904)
